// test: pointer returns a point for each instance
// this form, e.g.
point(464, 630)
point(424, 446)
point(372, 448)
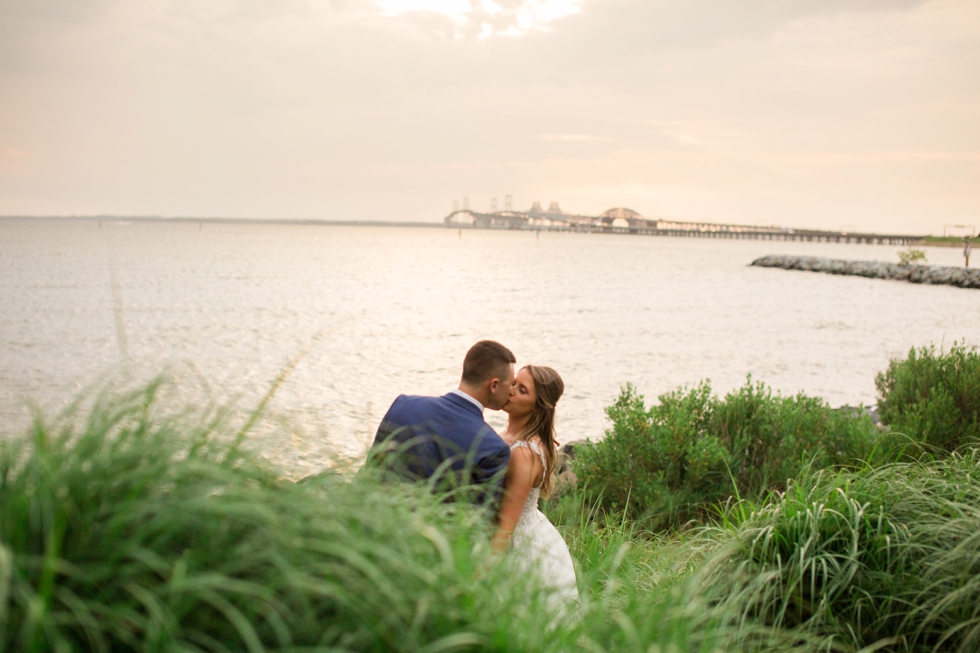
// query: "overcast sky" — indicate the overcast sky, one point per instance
point(820, 113)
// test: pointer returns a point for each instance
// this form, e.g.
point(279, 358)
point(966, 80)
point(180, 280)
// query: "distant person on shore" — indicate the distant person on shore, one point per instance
point(967, 249)
point(445, 439)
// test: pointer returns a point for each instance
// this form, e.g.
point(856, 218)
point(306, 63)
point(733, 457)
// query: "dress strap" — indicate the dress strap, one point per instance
point(535, 447)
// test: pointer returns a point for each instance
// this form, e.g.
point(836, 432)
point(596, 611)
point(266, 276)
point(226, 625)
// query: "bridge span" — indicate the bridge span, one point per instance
point(626, 221)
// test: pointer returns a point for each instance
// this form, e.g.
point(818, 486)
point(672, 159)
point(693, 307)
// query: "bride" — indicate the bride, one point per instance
point(530, 432)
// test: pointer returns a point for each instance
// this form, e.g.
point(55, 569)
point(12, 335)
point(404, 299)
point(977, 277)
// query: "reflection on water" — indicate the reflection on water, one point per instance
point(227, 306)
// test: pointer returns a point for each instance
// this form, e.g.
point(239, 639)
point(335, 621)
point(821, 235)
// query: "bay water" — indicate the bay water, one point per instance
point(359, 314)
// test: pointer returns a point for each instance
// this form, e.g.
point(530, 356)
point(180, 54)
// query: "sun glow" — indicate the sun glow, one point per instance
point(514, 18)
point(456, 10)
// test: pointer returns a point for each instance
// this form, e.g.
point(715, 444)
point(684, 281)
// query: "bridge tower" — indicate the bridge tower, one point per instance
point(466, 203)
point(493, 205)
point(508, 203)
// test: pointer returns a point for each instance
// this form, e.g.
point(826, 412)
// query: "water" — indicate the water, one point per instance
point(385, 311)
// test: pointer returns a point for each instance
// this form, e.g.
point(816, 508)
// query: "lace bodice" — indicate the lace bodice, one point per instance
point(531, 505)
point(538, 546)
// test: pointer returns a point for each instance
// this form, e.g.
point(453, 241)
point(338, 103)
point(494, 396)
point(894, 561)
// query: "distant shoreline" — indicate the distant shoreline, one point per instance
point(942, 241)
point(931, 241)
point(213, 220)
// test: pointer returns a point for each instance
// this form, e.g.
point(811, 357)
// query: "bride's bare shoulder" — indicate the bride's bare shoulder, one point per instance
point(536, 441)
point(523, 460)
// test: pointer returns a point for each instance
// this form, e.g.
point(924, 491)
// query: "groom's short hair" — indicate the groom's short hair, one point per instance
point(483, 359)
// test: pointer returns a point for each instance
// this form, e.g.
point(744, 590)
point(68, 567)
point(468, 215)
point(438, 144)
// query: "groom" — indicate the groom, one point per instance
point(445, 438)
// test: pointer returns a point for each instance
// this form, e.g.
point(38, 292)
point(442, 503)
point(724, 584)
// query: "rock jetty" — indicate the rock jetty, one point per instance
point(931, 274)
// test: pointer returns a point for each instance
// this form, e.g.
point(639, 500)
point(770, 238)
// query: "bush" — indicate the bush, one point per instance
point(933, 397)
point(877, 557)
point(772, 438)
point(911, 257)
point(679, 459)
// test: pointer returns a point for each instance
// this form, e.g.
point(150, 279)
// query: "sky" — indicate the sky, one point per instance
point(855, 114)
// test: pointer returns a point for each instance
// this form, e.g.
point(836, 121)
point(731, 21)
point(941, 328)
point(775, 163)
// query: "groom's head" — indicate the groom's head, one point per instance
point(488, 373)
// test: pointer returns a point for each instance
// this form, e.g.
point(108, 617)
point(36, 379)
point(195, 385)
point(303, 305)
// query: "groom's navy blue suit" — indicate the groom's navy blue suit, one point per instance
point(423, 437)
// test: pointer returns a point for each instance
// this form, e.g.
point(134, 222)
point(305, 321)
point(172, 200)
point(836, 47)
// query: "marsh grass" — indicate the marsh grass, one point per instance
point(128, 527)
point(884, 557)
point(135, 531)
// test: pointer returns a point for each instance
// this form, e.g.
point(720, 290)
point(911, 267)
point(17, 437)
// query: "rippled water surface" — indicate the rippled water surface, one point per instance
point(226, 306)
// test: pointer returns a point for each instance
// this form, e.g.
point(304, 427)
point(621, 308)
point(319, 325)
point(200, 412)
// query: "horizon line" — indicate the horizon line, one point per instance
point(162, 218)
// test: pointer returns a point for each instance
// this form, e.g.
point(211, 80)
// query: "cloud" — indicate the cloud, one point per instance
point(699, 134)
point(574, 138)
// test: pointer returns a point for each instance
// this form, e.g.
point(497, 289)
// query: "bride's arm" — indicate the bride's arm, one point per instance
point(522, 470)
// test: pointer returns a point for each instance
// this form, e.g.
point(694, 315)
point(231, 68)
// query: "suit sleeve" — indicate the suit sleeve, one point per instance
point(490, 471)
point(383, 440)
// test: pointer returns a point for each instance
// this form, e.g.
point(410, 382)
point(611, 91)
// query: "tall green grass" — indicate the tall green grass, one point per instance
point(135, 531)
point(127, 528)
point(885, 557)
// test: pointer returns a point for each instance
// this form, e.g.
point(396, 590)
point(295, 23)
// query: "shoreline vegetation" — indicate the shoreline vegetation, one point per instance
point(749, 522)
point(942, 241)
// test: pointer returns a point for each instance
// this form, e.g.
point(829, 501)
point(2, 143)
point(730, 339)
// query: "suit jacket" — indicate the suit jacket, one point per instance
point(444, 438)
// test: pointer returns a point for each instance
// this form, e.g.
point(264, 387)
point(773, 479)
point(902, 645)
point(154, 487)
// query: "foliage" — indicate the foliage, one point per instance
point(679, 459)
point(140, 533)
point(134, 530)
point(772, 438)
point(651, 564)
point(880, 557)
point(933, 397)
point(127, 528)
point(911, 257)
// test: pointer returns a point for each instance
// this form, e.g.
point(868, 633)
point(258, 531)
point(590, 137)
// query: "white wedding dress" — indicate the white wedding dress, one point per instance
point(539, 548)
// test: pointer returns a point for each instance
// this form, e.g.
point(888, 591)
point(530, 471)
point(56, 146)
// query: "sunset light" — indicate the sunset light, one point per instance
point(514, 18)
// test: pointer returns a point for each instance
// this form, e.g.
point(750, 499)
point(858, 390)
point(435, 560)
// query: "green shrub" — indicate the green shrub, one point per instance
point(772, 438)
point(911, 257)
point(659, 462)
point(679, 459)
point(933, 397)
point(872, 558)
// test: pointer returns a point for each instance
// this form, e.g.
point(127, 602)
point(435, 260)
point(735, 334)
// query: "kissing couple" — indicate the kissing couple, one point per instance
point(446, 442)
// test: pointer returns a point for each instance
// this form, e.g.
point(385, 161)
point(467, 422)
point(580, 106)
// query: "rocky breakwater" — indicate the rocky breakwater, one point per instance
point(931, 274)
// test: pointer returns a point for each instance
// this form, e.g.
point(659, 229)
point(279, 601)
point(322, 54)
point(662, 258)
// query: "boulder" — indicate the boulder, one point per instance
point(565, 455)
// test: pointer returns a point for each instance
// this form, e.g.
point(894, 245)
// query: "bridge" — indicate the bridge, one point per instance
point(626, 221)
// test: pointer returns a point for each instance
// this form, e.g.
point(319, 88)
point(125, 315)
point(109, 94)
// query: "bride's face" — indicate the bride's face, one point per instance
point(522, 395)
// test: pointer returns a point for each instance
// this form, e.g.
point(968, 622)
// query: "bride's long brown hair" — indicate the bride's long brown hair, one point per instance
point(548, 387)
